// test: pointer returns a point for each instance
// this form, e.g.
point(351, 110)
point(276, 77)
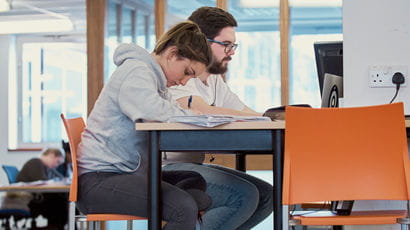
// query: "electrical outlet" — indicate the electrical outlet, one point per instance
point(381, 76)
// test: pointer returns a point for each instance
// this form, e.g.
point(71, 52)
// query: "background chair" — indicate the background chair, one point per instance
point(11, 172)
point(346, 154)
point(74, 128)
point(7, 213)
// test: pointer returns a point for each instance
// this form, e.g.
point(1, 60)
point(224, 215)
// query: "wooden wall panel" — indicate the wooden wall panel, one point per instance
point(160, 12)
point(95, 49)
point(284, 50)
point(223, 4)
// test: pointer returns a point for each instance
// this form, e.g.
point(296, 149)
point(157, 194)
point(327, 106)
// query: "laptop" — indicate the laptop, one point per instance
point(332, 90)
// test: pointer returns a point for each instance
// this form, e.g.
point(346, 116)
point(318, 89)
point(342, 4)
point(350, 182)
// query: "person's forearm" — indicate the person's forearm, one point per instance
point(196, 103)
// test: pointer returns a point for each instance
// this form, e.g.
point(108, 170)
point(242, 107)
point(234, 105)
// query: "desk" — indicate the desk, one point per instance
point(238, 137)
point(54, 187)
point(49, 187)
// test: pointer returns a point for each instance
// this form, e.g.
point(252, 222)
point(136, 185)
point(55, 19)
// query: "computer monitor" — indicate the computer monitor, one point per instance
point(329, 59)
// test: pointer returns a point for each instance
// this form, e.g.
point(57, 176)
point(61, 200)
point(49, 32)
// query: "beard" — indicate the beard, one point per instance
point(219, 67)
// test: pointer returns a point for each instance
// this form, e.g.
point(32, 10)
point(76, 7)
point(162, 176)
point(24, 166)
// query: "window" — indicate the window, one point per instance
point(257, 60)
point(130, 22)
point(310, 22)
point(51, 79)
point(256, 63)
point(179, 11)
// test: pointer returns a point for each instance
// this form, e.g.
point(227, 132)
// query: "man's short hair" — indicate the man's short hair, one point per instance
point(212, 20)
point(55, 151)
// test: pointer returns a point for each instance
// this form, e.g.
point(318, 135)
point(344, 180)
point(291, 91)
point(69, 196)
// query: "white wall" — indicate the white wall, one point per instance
point(12, 158)
point(374, 33)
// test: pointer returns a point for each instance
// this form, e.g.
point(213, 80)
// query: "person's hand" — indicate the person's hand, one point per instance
point(275, 115)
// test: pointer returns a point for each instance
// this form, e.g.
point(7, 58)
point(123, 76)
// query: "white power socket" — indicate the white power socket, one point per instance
point(381, 76)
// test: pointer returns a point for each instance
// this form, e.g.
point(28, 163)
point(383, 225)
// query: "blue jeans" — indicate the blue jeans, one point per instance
point(239, 200)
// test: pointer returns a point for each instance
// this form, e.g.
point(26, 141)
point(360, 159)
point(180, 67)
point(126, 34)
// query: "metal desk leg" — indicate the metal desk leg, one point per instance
point(277, 180)
point(240, 163)
point(154, 181)
point(285, 219)
point(71, 216)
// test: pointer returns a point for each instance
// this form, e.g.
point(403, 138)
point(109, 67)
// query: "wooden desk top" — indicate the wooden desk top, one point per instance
point(280, 124)
point(48, 187)
point(229, 126)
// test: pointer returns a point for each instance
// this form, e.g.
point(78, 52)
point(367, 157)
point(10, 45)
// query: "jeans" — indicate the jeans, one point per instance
point(239, 200)
point(104, 192)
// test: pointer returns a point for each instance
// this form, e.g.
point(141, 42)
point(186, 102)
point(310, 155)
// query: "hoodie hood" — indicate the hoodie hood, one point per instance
point(131, 52)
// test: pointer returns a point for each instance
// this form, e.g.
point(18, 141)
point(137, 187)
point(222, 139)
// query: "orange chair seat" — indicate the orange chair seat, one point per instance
point(109, 217)
point(355, 218)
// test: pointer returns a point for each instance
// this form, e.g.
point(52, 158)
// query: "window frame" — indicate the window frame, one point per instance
point(15, 141)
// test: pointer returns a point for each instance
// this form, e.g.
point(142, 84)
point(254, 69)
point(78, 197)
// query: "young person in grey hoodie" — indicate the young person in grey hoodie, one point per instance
point(113, 156)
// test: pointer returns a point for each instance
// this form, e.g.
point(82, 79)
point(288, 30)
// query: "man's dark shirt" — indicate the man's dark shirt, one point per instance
point(33, 170)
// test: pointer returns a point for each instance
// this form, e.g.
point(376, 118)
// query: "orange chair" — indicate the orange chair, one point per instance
point(74, 127)
point(336, 154)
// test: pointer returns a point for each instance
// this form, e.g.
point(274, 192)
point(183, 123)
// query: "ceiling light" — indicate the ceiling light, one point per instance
point(292, 3)
point(17, 25)
point(43, 22)
point(259, 3)
point(4, 5)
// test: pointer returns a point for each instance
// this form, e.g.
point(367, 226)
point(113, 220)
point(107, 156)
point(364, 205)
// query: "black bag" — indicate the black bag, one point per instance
point(278, 113)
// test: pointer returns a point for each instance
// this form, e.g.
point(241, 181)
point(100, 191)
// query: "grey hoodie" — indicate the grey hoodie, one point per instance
point(136, 92)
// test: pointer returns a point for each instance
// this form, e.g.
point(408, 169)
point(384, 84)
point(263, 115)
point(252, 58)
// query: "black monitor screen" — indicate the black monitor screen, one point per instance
point(329, 59)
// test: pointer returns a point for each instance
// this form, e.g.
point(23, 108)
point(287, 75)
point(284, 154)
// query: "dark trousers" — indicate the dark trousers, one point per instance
point(102, 192)
point(53, 207)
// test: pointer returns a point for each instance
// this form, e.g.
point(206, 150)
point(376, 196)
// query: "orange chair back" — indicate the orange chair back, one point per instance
point(74, 128)
point(345, 154)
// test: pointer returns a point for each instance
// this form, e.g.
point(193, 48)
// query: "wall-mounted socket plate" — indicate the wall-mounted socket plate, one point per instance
point(381, 75)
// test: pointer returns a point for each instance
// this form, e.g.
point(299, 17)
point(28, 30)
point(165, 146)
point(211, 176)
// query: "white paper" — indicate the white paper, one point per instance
point(212, 120)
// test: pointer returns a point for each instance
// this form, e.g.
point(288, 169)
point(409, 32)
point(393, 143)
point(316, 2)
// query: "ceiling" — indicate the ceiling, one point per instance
point(250, 19)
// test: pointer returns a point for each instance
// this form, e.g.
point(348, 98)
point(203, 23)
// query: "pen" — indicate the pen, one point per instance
point(189, 101)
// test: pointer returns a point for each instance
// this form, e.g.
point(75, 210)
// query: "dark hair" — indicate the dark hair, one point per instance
point(189, 40)
point(212, 20)
point(65, 146)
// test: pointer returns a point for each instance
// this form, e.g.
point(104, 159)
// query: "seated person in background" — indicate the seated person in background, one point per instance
point(52, 206)
point(113, 156)
point(66, 168)
point(239, 200)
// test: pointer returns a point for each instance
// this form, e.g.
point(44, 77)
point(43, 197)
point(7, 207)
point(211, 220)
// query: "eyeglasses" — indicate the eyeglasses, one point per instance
point(228, 45)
